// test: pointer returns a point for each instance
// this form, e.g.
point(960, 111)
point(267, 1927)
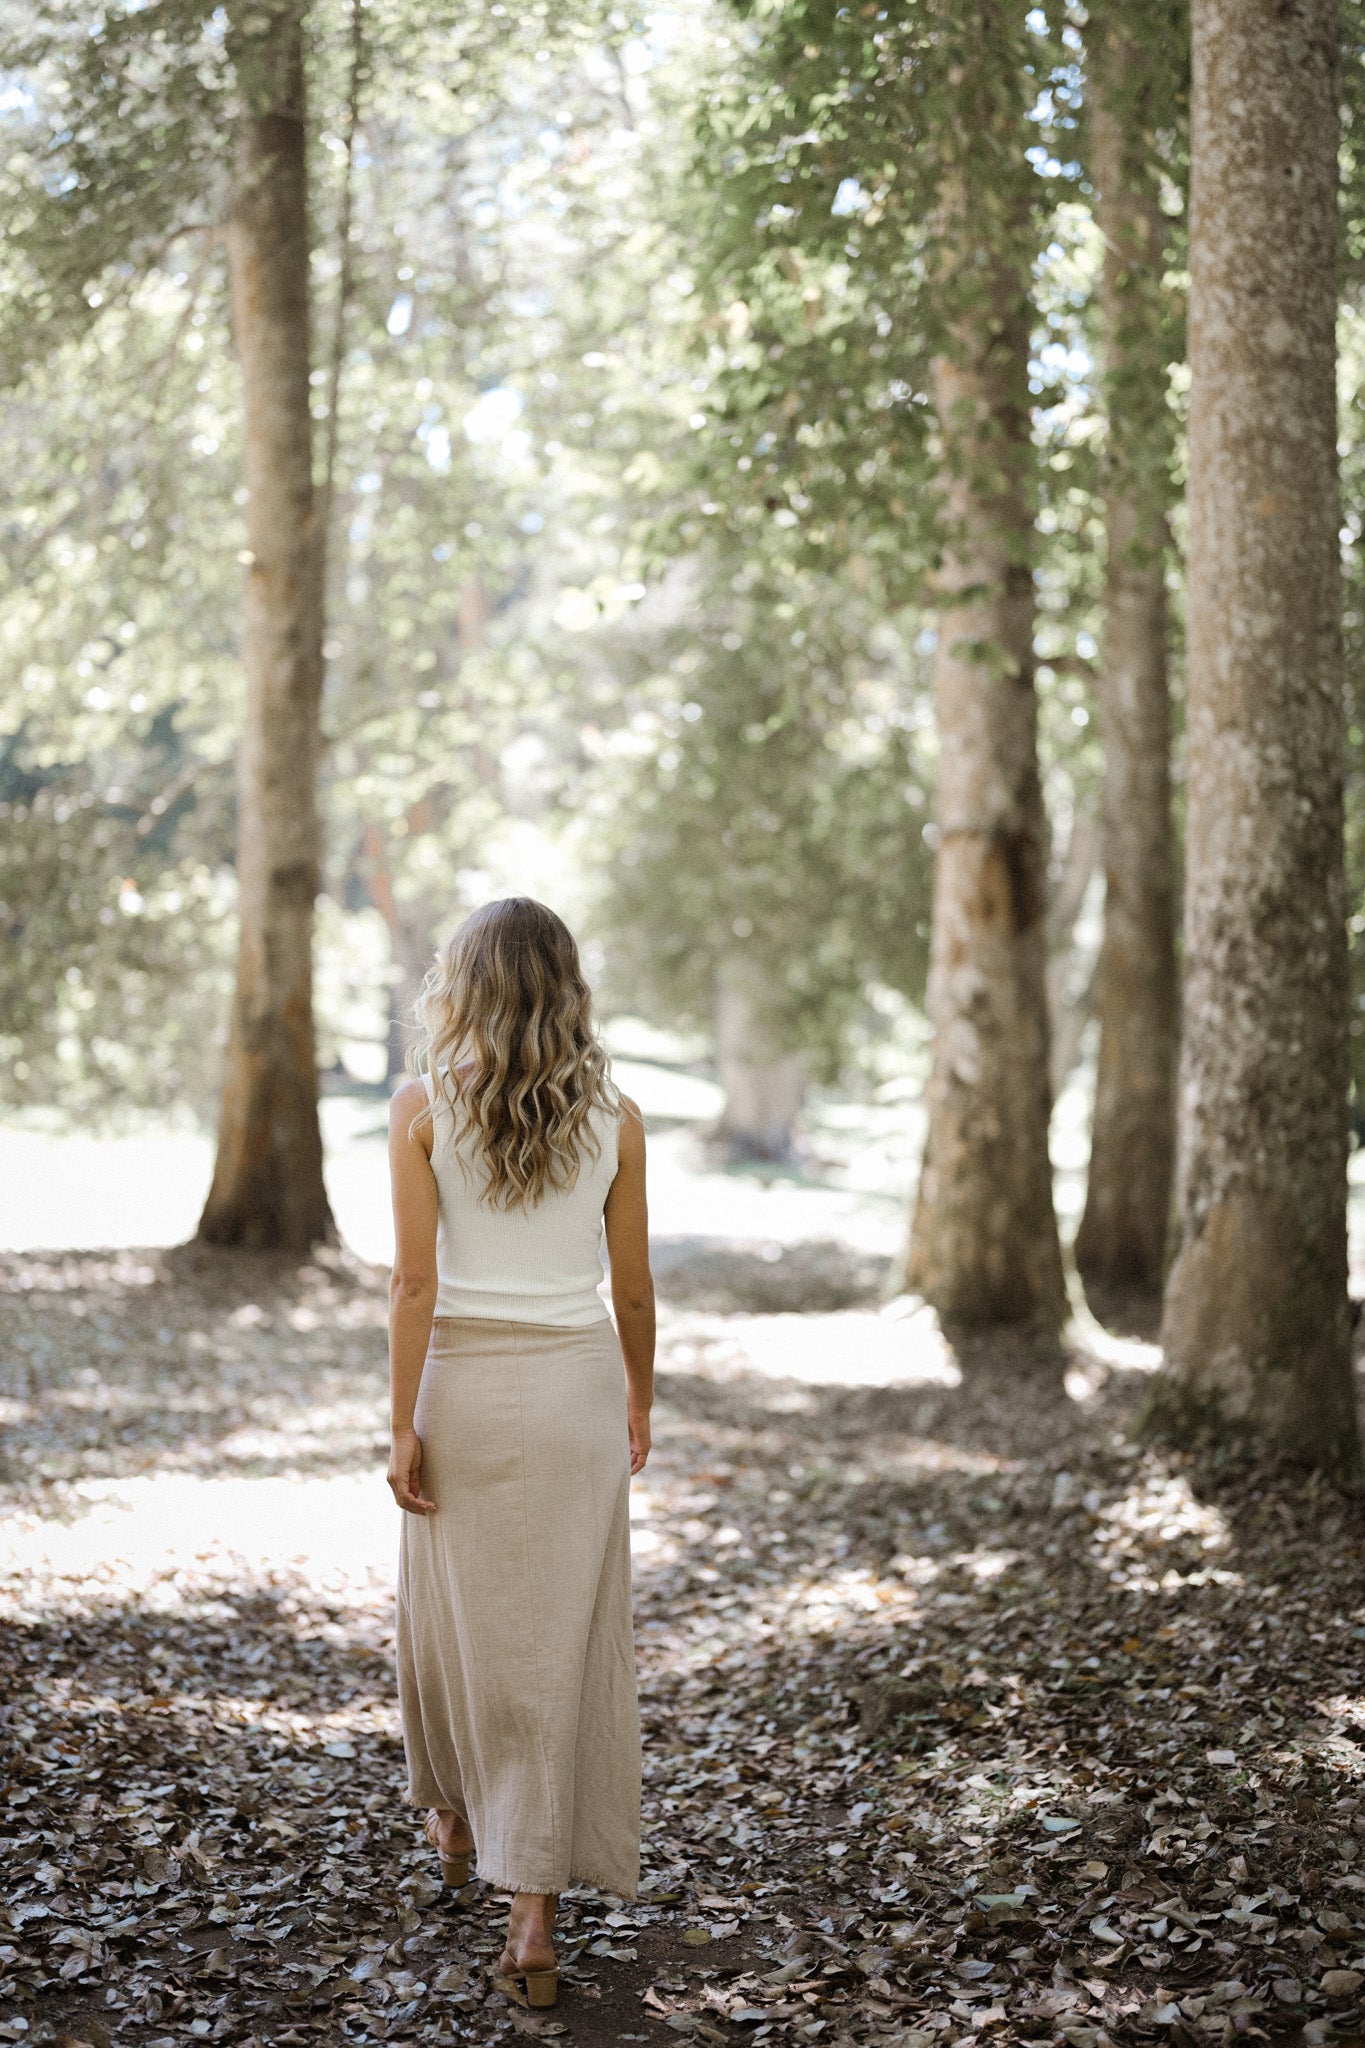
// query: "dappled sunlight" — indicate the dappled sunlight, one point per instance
point(1118, 1353)
point(1098, 1355)
point(135, 1362)
point(68, 1271)
point(161, 1539)
point(854, 1349)
point(922, 1637)
point(1143, 1538)
point(717, 470)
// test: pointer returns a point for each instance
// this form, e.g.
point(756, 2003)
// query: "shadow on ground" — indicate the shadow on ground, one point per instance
point(967, 1717)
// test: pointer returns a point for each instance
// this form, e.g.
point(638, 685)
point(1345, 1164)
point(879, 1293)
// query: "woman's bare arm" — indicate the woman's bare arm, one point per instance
point(412, 1289)
point(632, 1284)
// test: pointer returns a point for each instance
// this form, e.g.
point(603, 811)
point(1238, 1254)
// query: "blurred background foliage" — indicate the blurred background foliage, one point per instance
point(631, 519)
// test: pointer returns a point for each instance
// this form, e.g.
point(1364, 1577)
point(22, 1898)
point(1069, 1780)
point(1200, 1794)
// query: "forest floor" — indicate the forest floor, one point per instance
point(967, 1717)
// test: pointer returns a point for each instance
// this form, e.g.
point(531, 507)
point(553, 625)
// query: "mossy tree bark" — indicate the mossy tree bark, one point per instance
point(983, 1245)
point(1256, 1327)
point(267, 1190)
point(1122, 1239)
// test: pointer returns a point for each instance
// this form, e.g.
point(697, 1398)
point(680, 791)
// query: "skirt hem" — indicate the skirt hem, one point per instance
point(501, 1881)
point(593, 1879)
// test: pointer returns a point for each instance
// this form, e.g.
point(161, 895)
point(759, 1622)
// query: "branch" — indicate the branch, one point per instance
point(174, 790)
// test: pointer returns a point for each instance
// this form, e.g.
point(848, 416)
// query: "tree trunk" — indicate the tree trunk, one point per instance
point(1070, 961)
point(983, 1246)
point(1121, 1243)
point(412, 936)
point(1256, 1327)
point(267, 1190)
point(412, 943)
point(764, 1081)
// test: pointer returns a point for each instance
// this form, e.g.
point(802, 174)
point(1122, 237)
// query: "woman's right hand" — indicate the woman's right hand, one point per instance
point(405, 1473)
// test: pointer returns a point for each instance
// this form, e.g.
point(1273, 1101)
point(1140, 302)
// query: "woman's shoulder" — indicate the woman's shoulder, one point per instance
point(407, 1103)
point(409, 1098)
point(630, 1139)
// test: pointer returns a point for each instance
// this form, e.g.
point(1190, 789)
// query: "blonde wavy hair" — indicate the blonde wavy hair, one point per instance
point(509, 1040)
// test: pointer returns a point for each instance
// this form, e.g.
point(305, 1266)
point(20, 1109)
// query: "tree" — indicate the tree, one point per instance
point(1256, 1326)
point(783, 777)
point(1122, 1238)
point(267, 1189)
point(135, 163)
point(763, 1080)
point(134, 140)
point(875, 221)
point(983, 1244)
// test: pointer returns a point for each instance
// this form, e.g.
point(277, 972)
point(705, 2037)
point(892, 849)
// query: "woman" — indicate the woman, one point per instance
point(515, 1430)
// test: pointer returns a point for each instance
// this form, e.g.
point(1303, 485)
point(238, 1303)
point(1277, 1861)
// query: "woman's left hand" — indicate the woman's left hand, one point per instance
point(639, 1439)
point(405, 1473)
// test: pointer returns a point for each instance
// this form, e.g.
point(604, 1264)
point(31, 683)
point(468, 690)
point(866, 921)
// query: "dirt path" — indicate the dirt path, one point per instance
point(965, 1719)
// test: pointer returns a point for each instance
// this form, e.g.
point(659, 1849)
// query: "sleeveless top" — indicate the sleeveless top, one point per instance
point(540, 1265)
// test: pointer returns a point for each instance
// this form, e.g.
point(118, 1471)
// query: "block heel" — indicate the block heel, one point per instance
point(541, 1987)
point(454, 1869)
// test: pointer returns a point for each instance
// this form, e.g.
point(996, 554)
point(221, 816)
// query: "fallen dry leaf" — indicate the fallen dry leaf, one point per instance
point(938, 1747)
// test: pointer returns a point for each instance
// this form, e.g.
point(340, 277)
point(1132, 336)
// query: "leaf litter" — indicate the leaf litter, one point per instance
point(967, 1718)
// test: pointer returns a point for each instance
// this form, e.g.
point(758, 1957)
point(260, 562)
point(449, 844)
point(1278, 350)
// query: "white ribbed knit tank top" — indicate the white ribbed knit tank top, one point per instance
point(540, 1265)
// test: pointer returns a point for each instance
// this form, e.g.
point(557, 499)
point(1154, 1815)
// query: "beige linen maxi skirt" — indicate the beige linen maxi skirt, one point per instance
point(516, 1658)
